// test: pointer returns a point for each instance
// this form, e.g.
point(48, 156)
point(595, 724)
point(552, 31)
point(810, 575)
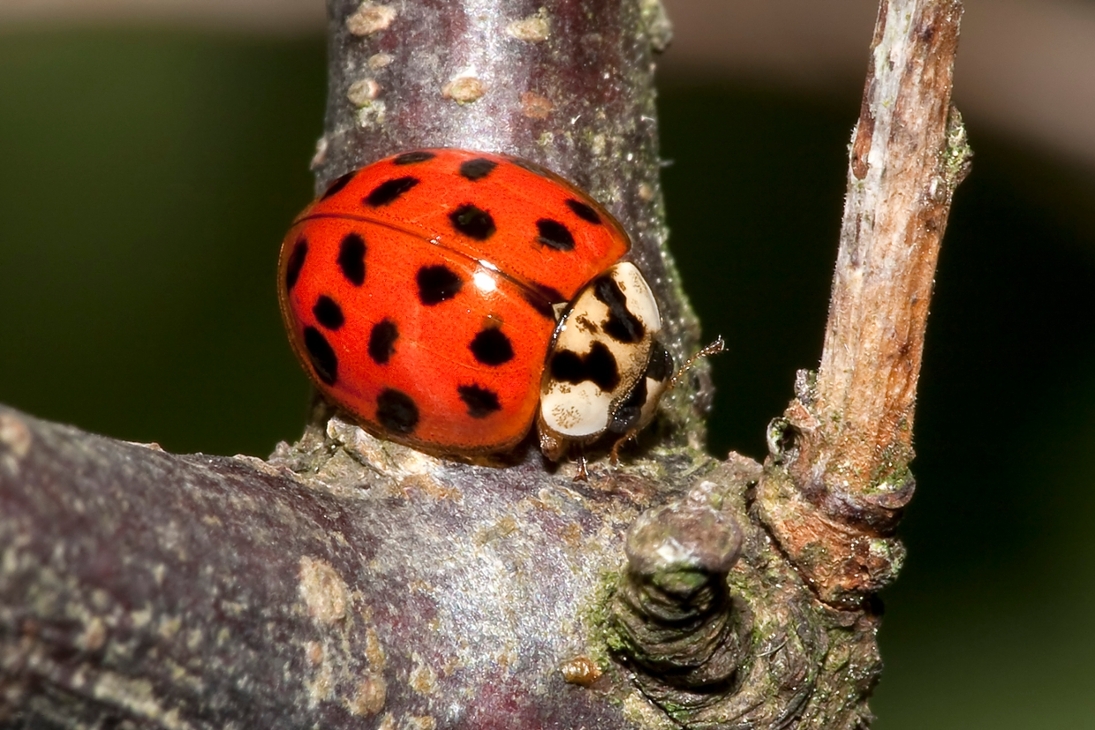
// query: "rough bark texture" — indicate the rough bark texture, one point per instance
point(838, 478)
point(350, 582)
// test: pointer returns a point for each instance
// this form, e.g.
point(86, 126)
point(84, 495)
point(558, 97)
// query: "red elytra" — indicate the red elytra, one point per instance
point(418, 292)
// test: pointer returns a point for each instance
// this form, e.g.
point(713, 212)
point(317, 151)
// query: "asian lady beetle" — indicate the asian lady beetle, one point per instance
point(440, 295)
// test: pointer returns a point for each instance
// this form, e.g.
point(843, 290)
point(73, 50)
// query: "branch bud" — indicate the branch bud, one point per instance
point(672, 613)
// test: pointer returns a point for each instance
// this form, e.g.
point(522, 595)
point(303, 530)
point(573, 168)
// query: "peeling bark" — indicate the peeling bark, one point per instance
point(349, 582)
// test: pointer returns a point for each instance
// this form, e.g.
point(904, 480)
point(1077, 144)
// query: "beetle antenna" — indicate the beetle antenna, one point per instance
point(719, 345)
point(713, 349)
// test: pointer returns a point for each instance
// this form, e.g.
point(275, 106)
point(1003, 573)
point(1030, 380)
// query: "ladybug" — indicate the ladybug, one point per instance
point(447, 299)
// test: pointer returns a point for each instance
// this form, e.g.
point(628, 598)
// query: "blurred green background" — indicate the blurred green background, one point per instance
point(146, 178)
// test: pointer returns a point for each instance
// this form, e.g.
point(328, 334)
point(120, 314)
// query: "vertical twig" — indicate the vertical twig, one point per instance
point(838, 477)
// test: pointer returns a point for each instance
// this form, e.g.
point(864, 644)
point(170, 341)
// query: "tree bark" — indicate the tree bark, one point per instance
point(350, 582)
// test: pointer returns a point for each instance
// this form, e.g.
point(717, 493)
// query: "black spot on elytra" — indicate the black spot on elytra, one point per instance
point(491, 347)
point(477, 169)
point(473, 222)
point(351, 258)
point(541, 298)
point(481, 402)
point(382, 339)
point(552, 295)
point(338, 184)
point(583, 211)
point(621, 325)
point(389, 191)
point(597, 366)
point(322, 355)
point(328, 313)
point(296, 263)
point(437, 284)
point(410, 158)
point(626, 416)
point(539, 302)
point(554, 234)
point(396, 411)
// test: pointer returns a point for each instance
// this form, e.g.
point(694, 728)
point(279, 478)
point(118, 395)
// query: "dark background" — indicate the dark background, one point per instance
point(146, 179)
